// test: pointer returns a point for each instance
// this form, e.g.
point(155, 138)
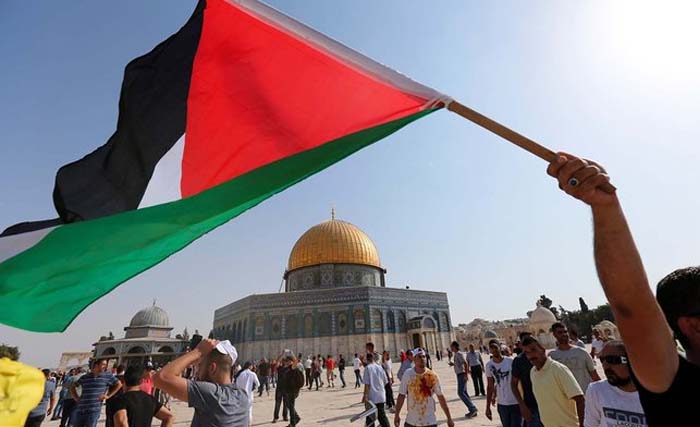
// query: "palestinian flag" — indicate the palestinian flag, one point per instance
point(238, 105)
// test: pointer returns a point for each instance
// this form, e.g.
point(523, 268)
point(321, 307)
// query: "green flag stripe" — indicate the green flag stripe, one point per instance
point(44, 288)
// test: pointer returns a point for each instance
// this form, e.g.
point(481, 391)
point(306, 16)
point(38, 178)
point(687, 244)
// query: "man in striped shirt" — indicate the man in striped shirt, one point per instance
point(98, 386)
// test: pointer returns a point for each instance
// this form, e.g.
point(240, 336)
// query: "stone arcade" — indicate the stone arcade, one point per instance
point(335, 300)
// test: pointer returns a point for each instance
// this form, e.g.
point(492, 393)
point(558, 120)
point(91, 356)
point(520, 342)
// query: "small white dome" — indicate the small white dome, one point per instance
point(542, 315)
point(150, 316)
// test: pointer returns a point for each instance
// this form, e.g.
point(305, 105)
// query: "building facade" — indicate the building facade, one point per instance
point(335, 300)
point(146, 339)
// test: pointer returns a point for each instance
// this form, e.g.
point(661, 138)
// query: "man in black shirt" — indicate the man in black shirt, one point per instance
point(520, 374)
point(134, 408)
point(667, 382)
point(341, 369)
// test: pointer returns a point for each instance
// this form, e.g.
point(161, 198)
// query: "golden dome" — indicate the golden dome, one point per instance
point(333, 242)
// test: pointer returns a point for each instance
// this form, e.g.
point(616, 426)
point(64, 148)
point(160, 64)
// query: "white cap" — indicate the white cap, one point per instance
point(225, 347)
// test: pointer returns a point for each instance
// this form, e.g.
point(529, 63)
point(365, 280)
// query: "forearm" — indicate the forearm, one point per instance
point(177, 366)
point(443, 405)
point(489, 395)
point(580, 408)
point(74, 393)
point(516, 391)
point(618, 262)
point(114, 389)
point(642, 324)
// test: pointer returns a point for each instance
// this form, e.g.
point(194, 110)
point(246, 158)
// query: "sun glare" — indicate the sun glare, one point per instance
point(656, 37)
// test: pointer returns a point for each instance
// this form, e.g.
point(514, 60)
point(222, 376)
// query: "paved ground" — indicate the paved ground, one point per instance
point(333, 407)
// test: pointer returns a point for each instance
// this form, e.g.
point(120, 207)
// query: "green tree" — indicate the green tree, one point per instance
point(10, 352)
point(547, 303)
point(583, 305)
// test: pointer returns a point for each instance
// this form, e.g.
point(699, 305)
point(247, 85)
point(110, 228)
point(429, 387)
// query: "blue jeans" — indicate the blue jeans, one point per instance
point(462, 392)
point(536, 421)
point(85, 419)
point(510, 415)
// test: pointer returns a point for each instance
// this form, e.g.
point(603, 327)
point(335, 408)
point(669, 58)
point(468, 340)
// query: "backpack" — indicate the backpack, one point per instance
point(295, 380)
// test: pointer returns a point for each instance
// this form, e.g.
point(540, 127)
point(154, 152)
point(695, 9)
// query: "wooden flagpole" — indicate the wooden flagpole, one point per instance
point(510, 135)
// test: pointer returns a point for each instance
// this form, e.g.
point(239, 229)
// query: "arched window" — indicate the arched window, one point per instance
point(402, 321)
point(390, 323)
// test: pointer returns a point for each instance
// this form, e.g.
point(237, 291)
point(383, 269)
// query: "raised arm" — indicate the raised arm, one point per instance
point(641, 322)
point(169, 378)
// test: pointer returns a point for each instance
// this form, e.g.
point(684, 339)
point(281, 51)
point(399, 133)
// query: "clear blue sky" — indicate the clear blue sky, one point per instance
point(450, 206)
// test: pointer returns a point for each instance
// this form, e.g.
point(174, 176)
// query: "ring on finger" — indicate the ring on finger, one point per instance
point(573, 182)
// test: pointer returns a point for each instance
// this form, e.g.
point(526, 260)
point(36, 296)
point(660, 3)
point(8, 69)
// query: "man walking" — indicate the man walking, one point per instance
point(341, 369)
point(559, 397)
point(307, 370)
point(476, 368)
point(406, 364)
point(666, 380)
point(283, 364)
point(356, 362)
point(461, 366)
point(216, 400)
point(575, 358)
point(330, 371)
point(46, 404)
point(375, 381)
point(248, 381)
point(264, 376)
point(291, 381)
point(614, 401)
point(136, 408)
point(418, 386)
point(97, 386)
point(520, 379)
point(498, 375)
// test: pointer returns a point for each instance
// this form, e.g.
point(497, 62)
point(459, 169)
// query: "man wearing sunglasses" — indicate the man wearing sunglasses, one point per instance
point(615, 400)
point(667, 382)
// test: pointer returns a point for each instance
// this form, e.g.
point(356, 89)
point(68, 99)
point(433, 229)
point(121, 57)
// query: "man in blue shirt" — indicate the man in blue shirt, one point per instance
point(45, 406)
point(97, 386)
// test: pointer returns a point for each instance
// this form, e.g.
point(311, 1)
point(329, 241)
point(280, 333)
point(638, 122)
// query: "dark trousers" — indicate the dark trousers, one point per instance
point(478, 378)
point(342, 376)
point(290, 400)
point(358, 380)
point(279, 401)
point(389, 395)
point(264, 382)
point(34, 421)
point(380, 416)
point(308, 376)
point(316, 377)
point(67, 415)
point(510, 415)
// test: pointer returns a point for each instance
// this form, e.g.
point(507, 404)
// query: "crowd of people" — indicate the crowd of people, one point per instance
point(648, 381)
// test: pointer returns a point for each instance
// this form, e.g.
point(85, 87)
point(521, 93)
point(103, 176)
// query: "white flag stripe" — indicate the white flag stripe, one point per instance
point(164, 185)
point(13, 245)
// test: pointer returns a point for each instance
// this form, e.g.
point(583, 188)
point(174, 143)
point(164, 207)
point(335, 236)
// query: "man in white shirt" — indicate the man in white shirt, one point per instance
point(248, 381)
point(356, 363)
point(418, 386)
point(615, 401)
point(375, 381)
point(498, 377)
point(307, 370)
